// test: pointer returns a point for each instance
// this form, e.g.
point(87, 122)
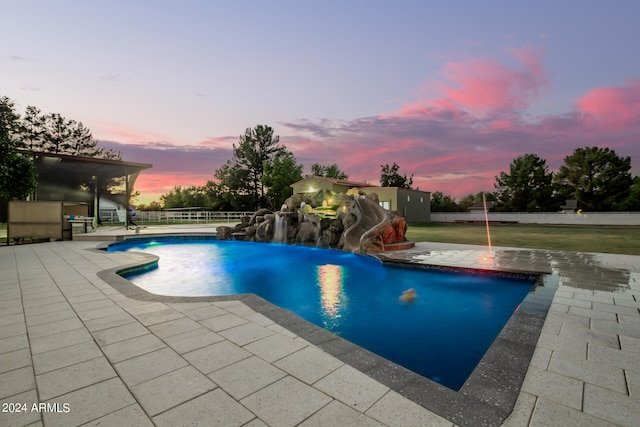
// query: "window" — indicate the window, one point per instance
point(408, 198)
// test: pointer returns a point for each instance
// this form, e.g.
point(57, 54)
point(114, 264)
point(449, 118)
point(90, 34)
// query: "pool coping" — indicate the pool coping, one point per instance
point(487, 397)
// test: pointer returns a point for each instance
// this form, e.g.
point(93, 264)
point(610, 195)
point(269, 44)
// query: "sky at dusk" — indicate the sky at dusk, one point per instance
point(450, 91)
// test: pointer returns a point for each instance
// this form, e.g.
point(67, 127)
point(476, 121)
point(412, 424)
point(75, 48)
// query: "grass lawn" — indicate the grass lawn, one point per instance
point(604, 239)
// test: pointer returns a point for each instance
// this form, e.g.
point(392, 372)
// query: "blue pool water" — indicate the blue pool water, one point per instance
point(441, 335)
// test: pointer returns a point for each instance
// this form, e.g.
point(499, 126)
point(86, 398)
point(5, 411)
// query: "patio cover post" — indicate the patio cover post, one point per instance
point(96, 202)
point(127, 191)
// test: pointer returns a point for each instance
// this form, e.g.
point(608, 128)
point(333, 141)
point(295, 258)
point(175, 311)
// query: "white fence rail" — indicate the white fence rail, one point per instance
point(188, 216)
point(110, 217)
point(587, 218)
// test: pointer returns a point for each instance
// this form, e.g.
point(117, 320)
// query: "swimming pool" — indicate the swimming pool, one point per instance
point(441, 335)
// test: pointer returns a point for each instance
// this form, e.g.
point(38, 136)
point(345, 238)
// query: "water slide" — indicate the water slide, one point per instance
point(369, 215)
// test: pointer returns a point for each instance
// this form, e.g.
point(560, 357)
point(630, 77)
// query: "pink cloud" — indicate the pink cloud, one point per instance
point(172, 165)
point(462, 156)
point(219, 141)
point(443, 108)
point(126, 134)
point(455, 141)
point(485, 85)
point(500, 124)
point(611, 107)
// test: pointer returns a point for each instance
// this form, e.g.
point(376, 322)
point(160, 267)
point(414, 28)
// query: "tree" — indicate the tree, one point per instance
point(153, 206)
point(528, 187)
point(331, 171)
point(390, 177)
point(81, 142)
point(443, 203)
point(32, 129)
point(632, 202)
point(61, 135)
point(255, 148)
point(9, 122)
point(111, 154)
point(17, 172)
point(53, 133)
point(466, 202)
point(188, 197)
point(230, 190)
point(278, 177)
point(596, 177)
point(471, 199)
point(172, 199)
point(57, 133)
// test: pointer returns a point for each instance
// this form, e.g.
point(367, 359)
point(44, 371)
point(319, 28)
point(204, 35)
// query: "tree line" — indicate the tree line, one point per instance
point(259, 175)
point(35, 131)
point(262, 170)
point(51, 133)
point(597, 178)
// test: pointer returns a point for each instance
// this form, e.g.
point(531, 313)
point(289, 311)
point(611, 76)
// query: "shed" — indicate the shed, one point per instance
point(415, 205)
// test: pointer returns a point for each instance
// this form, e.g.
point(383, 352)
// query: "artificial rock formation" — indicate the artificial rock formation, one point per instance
point(352, 222)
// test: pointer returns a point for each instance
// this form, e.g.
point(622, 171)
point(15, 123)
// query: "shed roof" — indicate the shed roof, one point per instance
point(335, 181)
point(68, 169)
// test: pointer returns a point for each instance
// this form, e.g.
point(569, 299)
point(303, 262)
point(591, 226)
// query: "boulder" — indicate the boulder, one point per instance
point(392, 231)
point(371, 245)
point(264, 232)
point(399, 224)
point(331, 234)
point(259, 212)
point(251, 231)
point(224, 233)
point(373, 197)
point(293, 202)
point(307, 234)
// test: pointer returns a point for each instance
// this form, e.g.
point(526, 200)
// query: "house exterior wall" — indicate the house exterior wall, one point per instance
point(414, 205)
point(387, 196)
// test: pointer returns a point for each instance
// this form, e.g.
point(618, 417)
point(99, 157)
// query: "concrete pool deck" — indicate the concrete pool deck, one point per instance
point(109, 356)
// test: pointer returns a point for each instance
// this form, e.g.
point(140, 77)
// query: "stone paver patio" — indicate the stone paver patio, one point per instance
point(88, 349)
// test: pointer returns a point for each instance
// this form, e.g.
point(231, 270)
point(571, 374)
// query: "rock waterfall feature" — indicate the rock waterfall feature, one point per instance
point(353, 222)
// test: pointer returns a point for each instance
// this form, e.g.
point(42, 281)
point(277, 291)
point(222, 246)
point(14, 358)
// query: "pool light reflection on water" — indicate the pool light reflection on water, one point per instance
point(442, 334)
point(332, 298)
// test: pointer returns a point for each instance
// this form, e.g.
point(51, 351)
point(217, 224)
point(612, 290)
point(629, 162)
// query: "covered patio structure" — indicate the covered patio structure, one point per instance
point(85, 180)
